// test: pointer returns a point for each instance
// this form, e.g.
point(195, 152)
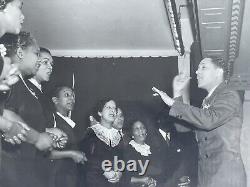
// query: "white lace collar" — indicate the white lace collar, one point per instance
point(144, 149)
point(68, 120)
point(111, 137)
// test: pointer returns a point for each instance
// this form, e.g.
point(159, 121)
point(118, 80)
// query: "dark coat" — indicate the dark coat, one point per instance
point(219, 125)
point(65, 170)
point(23, 165)
point(97, 151)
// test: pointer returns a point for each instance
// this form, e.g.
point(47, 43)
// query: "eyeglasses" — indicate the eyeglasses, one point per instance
point(110, 108)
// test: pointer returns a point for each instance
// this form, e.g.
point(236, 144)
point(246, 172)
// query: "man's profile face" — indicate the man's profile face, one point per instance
point(207, 74)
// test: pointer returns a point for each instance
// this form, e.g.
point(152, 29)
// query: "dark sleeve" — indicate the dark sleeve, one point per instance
point(87, 143)
point(225, 105)
point(128, 154)
point(156, 165)
point(12, 102)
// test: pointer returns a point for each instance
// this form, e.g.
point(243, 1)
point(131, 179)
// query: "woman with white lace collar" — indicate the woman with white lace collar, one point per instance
point(102, 143)
point(138, 150)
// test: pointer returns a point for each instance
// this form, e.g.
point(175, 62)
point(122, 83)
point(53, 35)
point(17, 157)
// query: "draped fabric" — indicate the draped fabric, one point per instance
point(127, 80)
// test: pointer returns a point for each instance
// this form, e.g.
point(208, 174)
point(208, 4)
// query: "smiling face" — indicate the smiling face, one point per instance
point(119, 120)
point(45, 68)
point(208, 74)
point(65, 100)
point(14, 16)
point(139, 132)
point(108, 112)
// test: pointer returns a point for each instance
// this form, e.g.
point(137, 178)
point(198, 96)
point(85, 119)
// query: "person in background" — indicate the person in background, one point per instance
point(218, 123)
point(139, 150)
point(119, 121)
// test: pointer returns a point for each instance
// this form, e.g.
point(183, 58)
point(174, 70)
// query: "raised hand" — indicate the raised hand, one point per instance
point(180, 84)
point(165, 98)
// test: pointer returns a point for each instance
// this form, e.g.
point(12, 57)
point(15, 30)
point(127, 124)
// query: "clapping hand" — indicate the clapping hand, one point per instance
point(165, 98)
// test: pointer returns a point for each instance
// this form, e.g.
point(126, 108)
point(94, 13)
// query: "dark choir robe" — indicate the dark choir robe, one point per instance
point(45, 102)
point(3, 98)
point(93, 144)
point(184, 158)
point(155, 168)
point(65, 170)
point(23, 165)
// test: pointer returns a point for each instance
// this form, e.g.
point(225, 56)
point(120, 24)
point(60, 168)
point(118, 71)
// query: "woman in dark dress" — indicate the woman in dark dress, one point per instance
point(102, 143)
point(65, 160)
point(139, 151)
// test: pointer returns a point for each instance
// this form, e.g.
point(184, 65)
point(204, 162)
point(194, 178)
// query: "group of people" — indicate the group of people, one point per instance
point(39, 147)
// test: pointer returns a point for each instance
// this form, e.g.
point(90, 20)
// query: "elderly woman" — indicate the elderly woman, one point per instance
point(144, 155)
point(102, 144)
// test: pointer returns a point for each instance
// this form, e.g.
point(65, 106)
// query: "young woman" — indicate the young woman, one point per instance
point(137, 150)
point(35, 84)
point(102, 143)
point(25, 163)
point(65, 160)
point(11, 19)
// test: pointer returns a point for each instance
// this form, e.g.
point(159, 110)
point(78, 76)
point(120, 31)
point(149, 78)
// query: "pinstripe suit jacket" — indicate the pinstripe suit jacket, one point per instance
point(219, 124)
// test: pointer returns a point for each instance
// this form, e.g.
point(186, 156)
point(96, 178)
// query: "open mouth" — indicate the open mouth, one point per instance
point(142, 135)
point(112, 115)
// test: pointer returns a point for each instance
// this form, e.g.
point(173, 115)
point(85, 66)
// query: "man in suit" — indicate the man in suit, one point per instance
point(218, 123)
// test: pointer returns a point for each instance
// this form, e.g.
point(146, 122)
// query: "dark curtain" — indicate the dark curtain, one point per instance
point(127, 80)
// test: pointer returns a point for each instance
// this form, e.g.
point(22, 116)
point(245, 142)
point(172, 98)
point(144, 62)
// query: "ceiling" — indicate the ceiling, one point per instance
point(100, 28)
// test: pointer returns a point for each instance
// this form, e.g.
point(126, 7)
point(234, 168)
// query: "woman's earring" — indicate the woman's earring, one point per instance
point(133, 137)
